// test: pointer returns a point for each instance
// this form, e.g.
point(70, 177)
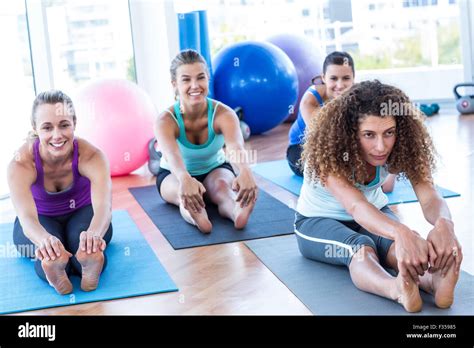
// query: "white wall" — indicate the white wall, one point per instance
point(466, 9)
point(155, 42)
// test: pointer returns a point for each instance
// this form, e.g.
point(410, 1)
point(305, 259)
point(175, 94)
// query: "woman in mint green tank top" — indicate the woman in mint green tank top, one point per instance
point(191, 135)
point(342, 215)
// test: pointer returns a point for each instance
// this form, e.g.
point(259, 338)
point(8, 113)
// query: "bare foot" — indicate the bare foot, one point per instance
point(55, 271)
point(200, 220)
point(241, 215)
point(441, 288)
point(91, 268)
point(408, 295)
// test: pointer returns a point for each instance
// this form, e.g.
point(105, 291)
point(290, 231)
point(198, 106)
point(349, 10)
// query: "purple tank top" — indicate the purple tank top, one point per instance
point(64, 202)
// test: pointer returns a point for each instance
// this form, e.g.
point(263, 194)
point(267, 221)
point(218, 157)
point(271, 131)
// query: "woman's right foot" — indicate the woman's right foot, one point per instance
point(441, 288)
point(242, 215)
point(55, 271)
point(92, 265)
point(444, 288)
point(200, 220)
point(408, 295)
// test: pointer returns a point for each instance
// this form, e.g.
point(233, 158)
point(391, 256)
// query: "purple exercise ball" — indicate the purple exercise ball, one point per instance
point(306, 58)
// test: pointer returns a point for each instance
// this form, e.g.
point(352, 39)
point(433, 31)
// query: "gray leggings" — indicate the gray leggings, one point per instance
point(335, 241)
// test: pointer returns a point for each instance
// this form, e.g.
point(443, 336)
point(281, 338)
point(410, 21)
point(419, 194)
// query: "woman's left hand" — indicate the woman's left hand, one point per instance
point(246, 187)
point(444, 247)
point(91, 241)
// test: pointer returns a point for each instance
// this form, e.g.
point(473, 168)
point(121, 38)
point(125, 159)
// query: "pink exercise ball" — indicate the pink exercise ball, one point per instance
point(306, 58)
point(117, 117)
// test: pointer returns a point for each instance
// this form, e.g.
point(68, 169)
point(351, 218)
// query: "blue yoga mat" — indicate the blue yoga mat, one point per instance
point(280, 173)
point(132, 270)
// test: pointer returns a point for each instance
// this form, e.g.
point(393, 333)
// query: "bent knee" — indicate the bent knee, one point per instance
point(362, 252)
point(220, 185)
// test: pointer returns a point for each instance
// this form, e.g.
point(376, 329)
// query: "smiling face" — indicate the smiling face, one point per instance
point(55, 129)
point(377, 137)
point(338, 79)
point(192, 83)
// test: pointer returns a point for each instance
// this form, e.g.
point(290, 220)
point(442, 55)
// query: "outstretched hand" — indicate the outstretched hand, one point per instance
point(50, 248)
point(444, 248)
point(246, 188)
point(191, 194)
point(412, 255)
point(91, 242)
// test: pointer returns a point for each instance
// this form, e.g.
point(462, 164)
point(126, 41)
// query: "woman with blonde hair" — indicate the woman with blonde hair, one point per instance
point(62, 193)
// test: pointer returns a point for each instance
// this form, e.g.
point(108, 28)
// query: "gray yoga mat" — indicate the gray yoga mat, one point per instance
point(328, 290)
point(269, 218)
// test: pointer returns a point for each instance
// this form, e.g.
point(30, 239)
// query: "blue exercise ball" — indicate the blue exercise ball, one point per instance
point(260, 78)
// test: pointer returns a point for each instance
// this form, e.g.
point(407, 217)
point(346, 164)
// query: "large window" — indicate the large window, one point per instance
point(57, 44)
point(381, 34)
point(16, 83)
point(403, 34)
point(234, 20)
point(393, 40)
point(88, 39)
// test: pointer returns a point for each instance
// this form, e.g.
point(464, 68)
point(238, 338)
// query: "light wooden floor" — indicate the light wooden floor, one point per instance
point(228, 278)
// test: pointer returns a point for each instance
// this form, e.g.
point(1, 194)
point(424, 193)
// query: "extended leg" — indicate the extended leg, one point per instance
point(330, 241)
point(56, 271)
point(433, 283)
point(89, 266)
point(169, 192)
point(218, 185)
point(368, 275)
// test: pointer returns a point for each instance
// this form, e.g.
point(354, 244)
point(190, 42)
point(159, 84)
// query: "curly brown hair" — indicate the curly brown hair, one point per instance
point(331, 145)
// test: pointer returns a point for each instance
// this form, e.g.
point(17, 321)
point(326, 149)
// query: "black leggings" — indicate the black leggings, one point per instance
point(293, 155)
point(67, 229)
point(163, 173)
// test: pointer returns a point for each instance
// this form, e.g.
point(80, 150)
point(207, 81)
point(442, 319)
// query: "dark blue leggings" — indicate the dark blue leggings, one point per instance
point(293, 155)
point(67, 229)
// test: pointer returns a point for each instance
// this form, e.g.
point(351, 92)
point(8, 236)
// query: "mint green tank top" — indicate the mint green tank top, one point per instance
point(198, 159)
point(316, 200)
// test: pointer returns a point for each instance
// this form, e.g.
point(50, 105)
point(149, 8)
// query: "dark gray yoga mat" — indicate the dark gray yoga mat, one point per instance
point(269, 218)
point(328, 290)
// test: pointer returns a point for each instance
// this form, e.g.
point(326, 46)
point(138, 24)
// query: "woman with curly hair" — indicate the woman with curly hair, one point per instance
point(342, 215)
point(337, 77)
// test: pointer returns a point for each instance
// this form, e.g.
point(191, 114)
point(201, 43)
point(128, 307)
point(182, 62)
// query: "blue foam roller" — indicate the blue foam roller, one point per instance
point(206, 47)
point(188, 24)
